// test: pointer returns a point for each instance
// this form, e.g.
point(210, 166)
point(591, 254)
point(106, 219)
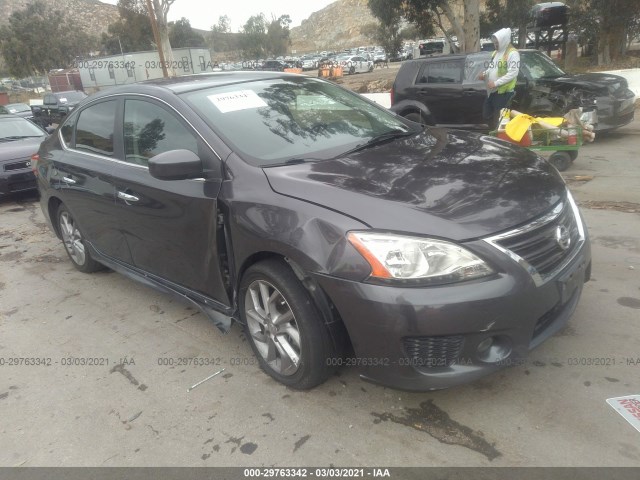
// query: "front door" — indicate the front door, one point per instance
point(171, 226)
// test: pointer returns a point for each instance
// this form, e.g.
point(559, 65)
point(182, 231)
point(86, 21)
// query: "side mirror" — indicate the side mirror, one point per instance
point(175, 165)
point(50, 130)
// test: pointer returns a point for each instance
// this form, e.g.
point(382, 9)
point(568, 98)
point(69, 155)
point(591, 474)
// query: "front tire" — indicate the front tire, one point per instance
point(284, 328)
point(74, 243)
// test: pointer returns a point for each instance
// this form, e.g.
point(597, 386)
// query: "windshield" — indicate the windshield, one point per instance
point(296, 118)
point(66, 97)
point(18, 107)
point(16, 128)
point(538, 65)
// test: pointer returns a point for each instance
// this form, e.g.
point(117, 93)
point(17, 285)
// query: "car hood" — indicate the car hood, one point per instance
point(19, 149)
point(600, 83)
point(444, 183)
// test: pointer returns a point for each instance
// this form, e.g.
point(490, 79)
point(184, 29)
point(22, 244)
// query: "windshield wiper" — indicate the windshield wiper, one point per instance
point(20, 137)
point(378, 139)
point(294, 161)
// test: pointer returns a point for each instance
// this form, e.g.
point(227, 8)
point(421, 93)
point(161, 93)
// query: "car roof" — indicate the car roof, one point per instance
point(190, 83)
point(453, 56)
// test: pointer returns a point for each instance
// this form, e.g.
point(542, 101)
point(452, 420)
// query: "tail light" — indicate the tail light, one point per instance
point(35, 158)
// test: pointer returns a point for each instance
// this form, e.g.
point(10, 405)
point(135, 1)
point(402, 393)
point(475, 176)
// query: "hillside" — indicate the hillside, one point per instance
point(338, 25)
point(91, 16)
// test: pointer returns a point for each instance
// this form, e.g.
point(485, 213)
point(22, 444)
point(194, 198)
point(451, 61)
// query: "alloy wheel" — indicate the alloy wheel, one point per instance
point(72, 238)
point(273, 327)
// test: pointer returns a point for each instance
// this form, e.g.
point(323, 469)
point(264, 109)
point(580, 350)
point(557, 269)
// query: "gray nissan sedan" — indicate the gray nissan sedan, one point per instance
point(335, 232)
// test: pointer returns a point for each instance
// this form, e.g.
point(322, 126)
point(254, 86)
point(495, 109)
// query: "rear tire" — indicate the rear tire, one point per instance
point(560, 160)
point(283, 326)
point(573, 154)
point(74, 243)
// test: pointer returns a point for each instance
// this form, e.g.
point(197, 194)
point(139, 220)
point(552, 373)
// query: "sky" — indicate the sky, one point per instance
point(203, 14)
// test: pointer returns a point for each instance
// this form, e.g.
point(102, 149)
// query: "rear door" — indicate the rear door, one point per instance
point(171, 227)
point(84, 174)
point(439, 86)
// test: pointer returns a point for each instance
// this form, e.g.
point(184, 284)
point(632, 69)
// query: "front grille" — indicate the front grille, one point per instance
point(542, 247)
point(22, 164)
point(432, 352)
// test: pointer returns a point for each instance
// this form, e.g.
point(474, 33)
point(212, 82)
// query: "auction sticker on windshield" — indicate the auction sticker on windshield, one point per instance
point(238, 100)
point(628, 407)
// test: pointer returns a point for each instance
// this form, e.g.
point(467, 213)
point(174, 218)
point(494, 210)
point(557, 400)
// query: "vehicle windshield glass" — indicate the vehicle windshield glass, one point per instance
point(274, 120)
point(67, 97)
point(15, 128)
point(538, 65)
point(18, 107)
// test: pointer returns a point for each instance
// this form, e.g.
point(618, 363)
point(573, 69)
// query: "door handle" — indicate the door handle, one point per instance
point(127, 198)
point(68, 180)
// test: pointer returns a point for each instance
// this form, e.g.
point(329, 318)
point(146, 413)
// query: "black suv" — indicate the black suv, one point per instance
point(56, 106)
point(444, 90)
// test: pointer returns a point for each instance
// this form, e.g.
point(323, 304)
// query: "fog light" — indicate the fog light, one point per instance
point(494, 349)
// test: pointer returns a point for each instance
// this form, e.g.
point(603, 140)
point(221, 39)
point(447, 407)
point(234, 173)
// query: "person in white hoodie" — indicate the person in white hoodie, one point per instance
point(501, 76)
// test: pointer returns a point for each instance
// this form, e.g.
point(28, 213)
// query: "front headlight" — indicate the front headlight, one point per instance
point(417, 260)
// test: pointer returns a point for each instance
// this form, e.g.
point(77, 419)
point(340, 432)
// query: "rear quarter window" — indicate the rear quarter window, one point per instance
point(449, 71)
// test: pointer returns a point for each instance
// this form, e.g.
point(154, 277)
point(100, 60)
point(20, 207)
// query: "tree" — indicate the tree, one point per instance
point(220, 38)
point(39, 38)
point(181, 35)
point(471, 26)
point(425, 13)
point(278, 40)
point(605, 24)
point(161, 11)
point(506, 13)
point(387, 33)
point(255, 32)
point(262, 38)
point(132, 32)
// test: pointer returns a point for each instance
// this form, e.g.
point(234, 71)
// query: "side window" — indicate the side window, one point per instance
point(441, 72)
point(67, 130)
point(150, 129)
point(94, 130)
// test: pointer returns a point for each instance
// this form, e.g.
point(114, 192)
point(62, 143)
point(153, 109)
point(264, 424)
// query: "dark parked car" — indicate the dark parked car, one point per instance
point(274, 66)
point(445, 91)
point(56, 106)
point(318, 219)
point(20, 110)
point(19, 140)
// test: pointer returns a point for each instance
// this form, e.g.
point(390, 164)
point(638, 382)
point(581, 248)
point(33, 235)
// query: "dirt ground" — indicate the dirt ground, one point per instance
point(380, 80)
